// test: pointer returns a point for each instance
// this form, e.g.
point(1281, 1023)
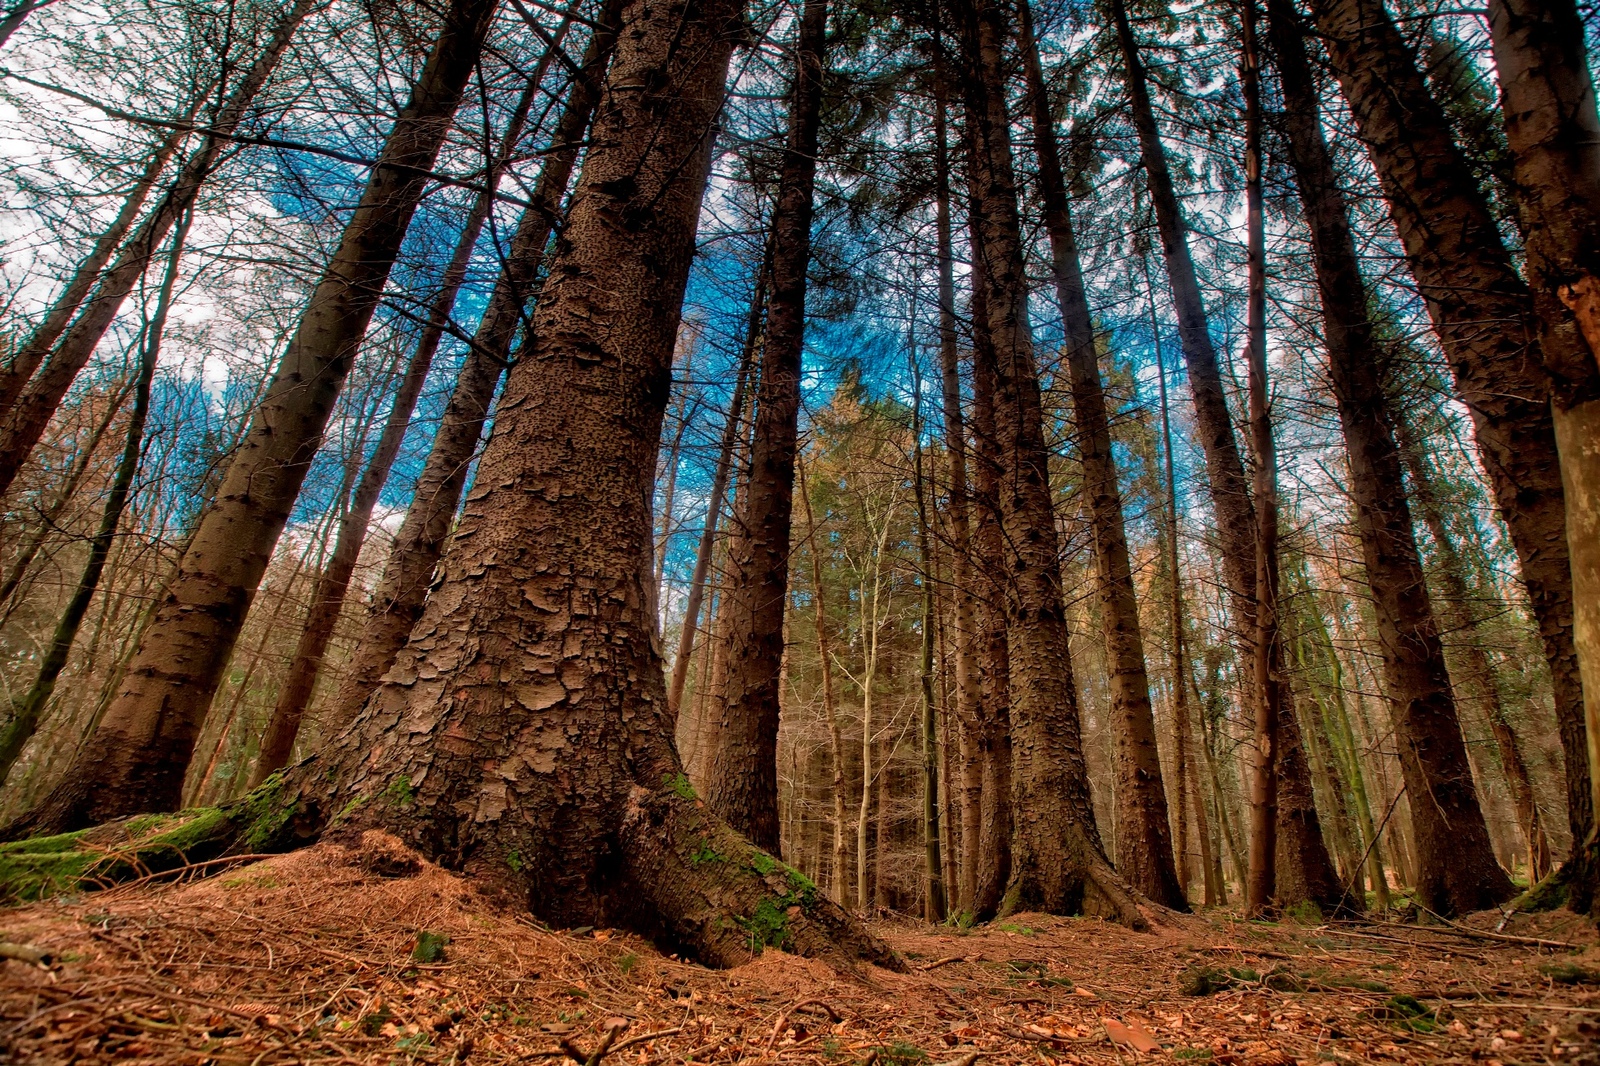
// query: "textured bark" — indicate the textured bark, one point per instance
point(137, 760)
point(523, 735)
point(1483, 314)
point(1271, 699)
point(934, 904)
point(742, 783)
point(397, 602)
point(1458, 870)
point(1057, 864)
point(32, 351)
point(25, 714)
point(991, 726)
point(964, 635)
point(26, 420)
point(1144, 834)
point(1553, 130)
point(328, 596)
point(1302, 855)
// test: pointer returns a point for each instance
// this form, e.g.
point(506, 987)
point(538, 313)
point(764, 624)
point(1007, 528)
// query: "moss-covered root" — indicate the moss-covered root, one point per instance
point(710, 892)
point(129, 848)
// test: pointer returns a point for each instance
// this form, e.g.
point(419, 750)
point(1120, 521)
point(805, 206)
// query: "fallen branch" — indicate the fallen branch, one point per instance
point(1502, 938)
point(946, 962)
point(576, 1054)
point(24, 953)
point(783, 1018)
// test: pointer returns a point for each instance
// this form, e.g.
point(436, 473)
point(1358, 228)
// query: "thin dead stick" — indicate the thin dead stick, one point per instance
point(783, 1018)
point(1503, 938)
point(946, 962)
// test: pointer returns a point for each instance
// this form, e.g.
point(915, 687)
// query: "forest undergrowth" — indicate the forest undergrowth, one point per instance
point(365, 953)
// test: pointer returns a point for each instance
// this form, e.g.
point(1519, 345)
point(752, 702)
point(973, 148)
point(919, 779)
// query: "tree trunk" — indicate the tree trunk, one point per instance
point(17, 15)
point(147, 735)
point(327, 599)
point(1554, 132)
point(934, 905)
point(31, 352)
point(991, 727)
point(1484, 316)
point(1302, 856)
point(523, 735)
point(25, 422)
point(1144, 836)
point(1458, 870)
point(1271, 698)
point(26, 713)
point(1461, 617)
point(742, 783)
point(1057, 863)
point(397, 602)
point(968, 696)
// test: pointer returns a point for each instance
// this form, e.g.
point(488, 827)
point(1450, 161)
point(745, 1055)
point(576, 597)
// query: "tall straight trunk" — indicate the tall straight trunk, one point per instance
point(1553, 129)
point(26, 714)
point(1304, 869)
point(523, 735)
point(144, 742)
point(830, 707)
point(1272, 701)
point(1458, 872)
point(871, 595)
point(32, 351)
point(688, 341)
point(26, 420)
point(327, 598)
point(397, 601)
point(1462, 617)
point(1188, 784)
point(1144, 834)
point(1484, 316)
point(1057, 863)
point(964, 631)
point(934, 904)
point(991, 725)
point(742, 784)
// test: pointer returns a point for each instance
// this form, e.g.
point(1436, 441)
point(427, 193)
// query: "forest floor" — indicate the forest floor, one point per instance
point(314, 957)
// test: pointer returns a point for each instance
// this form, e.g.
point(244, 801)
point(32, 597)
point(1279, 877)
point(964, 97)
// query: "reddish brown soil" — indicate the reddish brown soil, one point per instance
point(308, 957)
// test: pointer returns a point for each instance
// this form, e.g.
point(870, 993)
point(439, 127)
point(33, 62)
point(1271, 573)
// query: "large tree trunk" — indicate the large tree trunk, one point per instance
point(1272, 698)
point(1057, 864)
point(137, 761)
point(1458, 868)
point(742, 780)
point(327, 598)
point(26, 420)
point(1144, 835)
point(934, 903)
point(991, 723)
point(1303, 866)
point(1554, 133)
point(1483, 314)
point(25, 714)
point(523, 735)
point(398, 599)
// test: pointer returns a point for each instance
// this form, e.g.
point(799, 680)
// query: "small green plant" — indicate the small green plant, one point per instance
point(1204, 980)
point(830, 1048)
point(703, 853)
point(901, 1053)
point(1009, 927)
point(372, 1023)
point(679, 783)
point(514, 860)
point(400, 791)
point(429, 947)
point(1306, 912)
point(1192, 1053)
point(415, 1042)
point(627, 962)
point(1408, 1013)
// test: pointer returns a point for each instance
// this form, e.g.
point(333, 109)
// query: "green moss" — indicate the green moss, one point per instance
point(45, 845)
point(901, 1053)
point(762, 863)
point(802, 889)
point(1547, 895)
point(1568, 973)
point(1306, 912)
point(30, 875)
point(704, 853)
point(1409, 1013)
point(400, 791)
point(679, 783)
point(768, 925)
point(514, 860)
